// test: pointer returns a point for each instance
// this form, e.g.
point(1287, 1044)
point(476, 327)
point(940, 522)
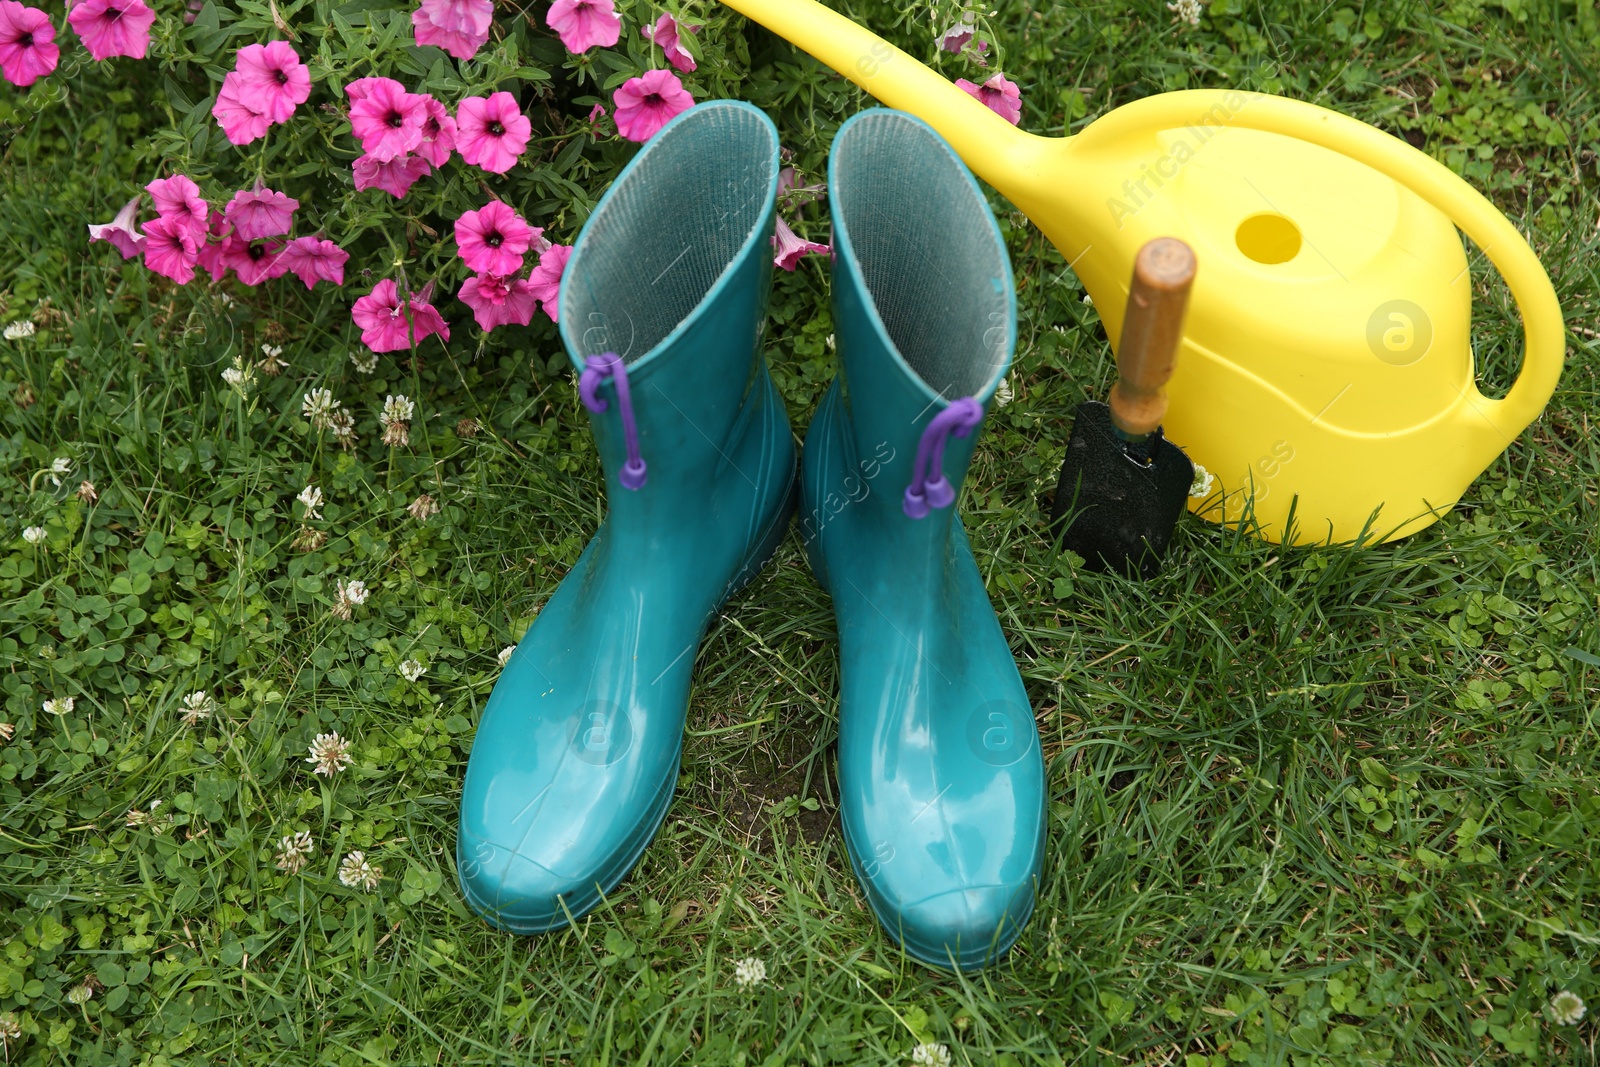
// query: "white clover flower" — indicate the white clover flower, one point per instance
point(87, 492)
point(1566, 1008)
point(60, 467)
point(137, 818)
point(33, 534)
point(1004, 394)
point(398, 409)
point(294, 851)
point(929, 1054)
point(411, 670)
point(16, 331)
point(60, 706)
point(311, 497)
point(270, 362)
point(364, 362)
point(423, 508)
point(197, 707)
point(397, 412)
point(319, 407)
point(352, 594)
point(7, 731)
point(1187, 11)
point(80, 994)
point(1200, 488)
point(239, 376)
point(10, 1029)
point(343, 427)
point(505, 654)
point(317, 404)
point(355, 872)
point(330, 753)
point(748, 972)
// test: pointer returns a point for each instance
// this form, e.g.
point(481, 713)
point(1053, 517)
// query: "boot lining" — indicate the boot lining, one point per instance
point(670, 229)
point(928, 250)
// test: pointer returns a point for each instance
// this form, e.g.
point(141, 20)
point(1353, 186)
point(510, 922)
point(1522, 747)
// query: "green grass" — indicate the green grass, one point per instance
point(1308, 806)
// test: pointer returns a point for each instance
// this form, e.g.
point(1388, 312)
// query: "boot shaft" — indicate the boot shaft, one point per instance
point(923, 300)
point(672, 273)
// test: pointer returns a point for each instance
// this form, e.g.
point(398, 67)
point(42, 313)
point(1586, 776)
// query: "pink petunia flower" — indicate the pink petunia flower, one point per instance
point(240, 122)
point(27, 43)
point(386, 119)
point(665, 33)
point(386, 325)
point(545, 279)
point(272, 80)
point(597, 113)
point(253, 261)
point(312, 260)
point(460, 27)
point(361, 88)
point(438, 133)
point(998, 95)
point(583, 24)
point(492, 239)
point(178, 198)
point(646, 104)
point(170, 249)
point(791, 247)
point(259, 213)
point(497, 301)
point(113, 27)
point(210, 251)
point(537, 244)
point(491, 132)
point(957, 36)
point(395, 176)
point(120, 232)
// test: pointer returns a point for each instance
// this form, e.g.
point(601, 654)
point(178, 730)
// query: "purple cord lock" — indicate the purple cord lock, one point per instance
point(596, 370)
point(925, 493)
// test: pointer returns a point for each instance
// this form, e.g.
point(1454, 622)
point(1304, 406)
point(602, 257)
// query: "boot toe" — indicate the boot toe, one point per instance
point(972, 925)
point(515, 892)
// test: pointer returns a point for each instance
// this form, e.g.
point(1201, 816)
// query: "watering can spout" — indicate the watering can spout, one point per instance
point(990, 145)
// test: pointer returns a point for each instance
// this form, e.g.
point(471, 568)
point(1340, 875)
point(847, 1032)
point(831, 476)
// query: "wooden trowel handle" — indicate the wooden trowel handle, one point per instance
point(1163, 273)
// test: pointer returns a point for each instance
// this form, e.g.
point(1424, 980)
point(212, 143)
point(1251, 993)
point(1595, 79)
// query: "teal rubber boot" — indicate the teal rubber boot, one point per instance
point(942, 787)
point(662, 309)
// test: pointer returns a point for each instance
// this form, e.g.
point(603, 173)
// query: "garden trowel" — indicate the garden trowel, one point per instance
point(1123, 484)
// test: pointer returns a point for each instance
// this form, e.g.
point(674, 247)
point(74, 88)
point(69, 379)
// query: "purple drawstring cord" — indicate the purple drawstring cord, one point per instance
point(596, 370)
point(926, 493)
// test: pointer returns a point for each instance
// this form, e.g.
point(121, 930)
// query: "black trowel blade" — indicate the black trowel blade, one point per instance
point(1121, 511)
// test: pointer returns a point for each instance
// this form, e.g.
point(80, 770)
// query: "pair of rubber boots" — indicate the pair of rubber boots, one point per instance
point(941, 780)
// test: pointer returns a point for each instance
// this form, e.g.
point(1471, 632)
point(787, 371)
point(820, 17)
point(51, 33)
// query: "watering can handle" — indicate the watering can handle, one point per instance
point(1544, 329)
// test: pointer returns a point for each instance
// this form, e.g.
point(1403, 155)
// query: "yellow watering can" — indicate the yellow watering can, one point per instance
point(1326, 369)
